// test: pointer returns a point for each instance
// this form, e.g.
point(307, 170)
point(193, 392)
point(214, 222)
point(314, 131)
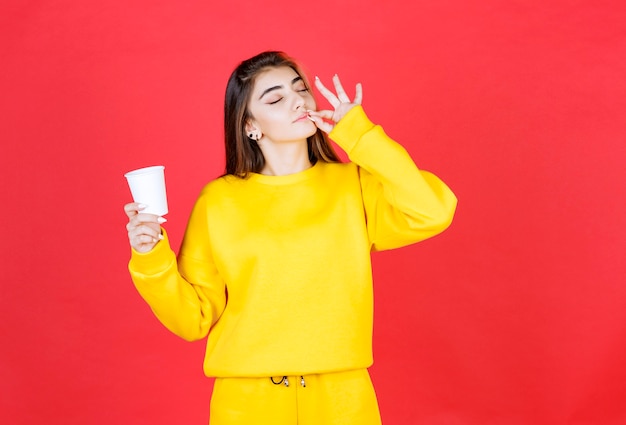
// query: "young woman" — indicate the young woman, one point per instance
point(275, 263)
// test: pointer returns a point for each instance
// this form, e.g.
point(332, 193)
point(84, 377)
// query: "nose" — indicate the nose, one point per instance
point(298, 102)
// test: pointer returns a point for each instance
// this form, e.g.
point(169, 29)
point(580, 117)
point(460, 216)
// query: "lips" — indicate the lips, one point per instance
point(304, 116)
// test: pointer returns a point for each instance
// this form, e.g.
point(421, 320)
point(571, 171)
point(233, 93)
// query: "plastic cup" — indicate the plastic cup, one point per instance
point(147, 185)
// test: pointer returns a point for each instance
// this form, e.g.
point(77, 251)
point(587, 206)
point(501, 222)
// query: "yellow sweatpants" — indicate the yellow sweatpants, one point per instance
point(345, 398)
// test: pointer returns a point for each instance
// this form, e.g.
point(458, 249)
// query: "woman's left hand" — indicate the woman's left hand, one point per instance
point(341, 102)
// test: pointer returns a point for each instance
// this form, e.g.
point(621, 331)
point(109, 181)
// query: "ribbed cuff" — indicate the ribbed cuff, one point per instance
point(351, 128)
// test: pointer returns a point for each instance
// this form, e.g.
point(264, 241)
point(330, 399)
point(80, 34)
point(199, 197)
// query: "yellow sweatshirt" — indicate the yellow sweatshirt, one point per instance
point(276, 269)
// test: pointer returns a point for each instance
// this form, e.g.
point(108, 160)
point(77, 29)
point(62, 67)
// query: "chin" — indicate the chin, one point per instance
point(312, 132)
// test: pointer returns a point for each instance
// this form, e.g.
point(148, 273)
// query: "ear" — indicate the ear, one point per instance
point(251, 126)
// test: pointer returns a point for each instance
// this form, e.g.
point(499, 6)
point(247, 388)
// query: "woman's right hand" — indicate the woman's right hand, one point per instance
point(144, 230)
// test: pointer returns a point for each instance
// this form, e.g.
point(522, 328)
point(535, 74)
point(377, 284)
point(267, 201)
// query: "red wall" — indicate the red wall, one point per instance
point(515, 315)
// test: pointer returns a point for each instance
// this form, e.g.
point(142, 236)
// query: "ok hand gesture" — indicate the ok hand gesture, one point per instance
point(341, 102)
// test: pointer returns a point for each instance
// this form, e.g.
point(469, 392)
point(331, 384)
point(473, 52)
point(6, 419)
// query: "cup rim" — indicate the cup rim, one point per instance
point(144, 170)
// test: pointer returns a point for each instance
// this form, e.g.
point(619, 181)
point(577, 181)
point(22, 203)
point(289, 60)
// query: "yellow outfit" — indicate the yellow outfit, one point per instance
point(341, 398)
point(276, 269)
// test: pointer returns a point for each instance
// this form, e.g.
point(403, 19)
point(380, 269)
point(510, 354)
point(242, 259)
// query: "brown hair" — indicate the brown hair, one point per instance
point(243, 155)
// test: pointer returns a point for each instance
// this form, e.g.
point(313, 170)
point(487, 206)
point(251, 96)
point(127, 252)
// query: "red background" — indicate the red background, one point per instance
point(515, 315)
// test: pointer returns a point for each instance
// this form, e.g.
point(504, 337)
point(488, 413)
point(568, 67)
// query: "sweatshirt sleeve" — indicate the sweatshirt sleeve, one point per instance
point(187, 295)
point(403, 204)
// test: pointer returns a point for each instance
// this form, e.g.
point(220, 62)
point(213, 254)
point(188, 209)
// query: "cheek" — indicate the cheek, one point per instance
point(269, 121)
point(274, 118)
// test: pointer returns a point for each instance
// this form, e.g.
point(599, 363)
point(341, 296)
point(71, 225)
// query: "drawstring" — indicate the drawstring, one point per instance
point(285, 380)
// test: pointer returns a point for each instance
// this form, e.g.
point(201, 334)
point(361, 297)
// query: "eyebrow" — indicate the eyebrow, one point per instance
point(266, 91)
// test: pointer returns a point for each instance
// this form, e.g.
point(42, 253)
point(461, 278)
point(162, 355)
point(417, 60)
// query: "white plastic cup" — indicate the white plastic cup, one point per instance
point(147, 185)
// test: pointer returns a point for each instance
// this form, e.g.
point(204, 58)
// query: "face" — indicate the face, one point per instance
point(278, 106)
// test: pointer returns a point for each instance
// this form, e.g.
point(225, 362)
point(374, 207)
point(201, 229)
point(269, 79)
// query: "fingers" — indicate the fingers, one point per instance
point(332, 99)
point(144, 236)
point(358, 97)
point(144, 230)
point(144, 233)
point(341, 96)
point(148, 224)
point(318, 118)
point(145, 220)
point(341, 93)
point(143, 244)
point(326, 114)
point(133, 208)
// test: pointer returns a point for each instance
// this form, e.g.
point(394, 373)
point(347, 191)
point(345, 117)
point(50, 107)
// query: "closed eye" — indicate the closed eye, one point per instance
point(275, 102)
point(299, 85)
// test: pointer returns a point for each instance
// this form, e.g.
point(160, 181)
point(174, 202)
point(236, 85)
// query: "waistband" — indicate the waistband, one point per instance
point(285, 381)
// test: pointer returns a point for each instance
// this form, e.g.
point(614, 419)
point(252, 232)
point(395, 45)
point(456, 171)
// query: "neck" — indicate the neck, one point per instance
point(284, 159)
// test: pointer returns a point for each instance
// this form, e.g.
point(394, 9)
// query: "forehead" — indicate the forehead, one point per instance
point(281, 76)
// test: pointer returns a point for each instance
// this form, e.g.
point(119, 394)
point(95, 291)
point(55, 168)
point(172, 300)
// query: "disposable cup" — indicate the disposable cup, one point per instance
point(147, 185)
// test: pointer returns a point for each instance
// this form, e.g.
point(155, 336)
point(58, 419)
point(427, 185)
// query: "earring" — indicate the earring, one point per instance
point(251, 136)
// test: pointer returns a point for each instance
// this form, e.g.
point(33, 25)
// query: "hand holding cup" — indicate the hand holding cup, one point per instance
point(144, 230)
point(147, 186)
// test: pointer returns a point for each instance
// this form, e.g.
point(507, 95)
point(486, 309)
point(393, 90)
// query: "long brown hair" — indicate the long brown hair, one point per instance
point(243, 155)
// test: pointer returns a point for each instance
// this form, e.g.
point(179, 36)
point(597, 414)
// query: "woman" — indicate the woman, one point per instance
point(275, 263)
